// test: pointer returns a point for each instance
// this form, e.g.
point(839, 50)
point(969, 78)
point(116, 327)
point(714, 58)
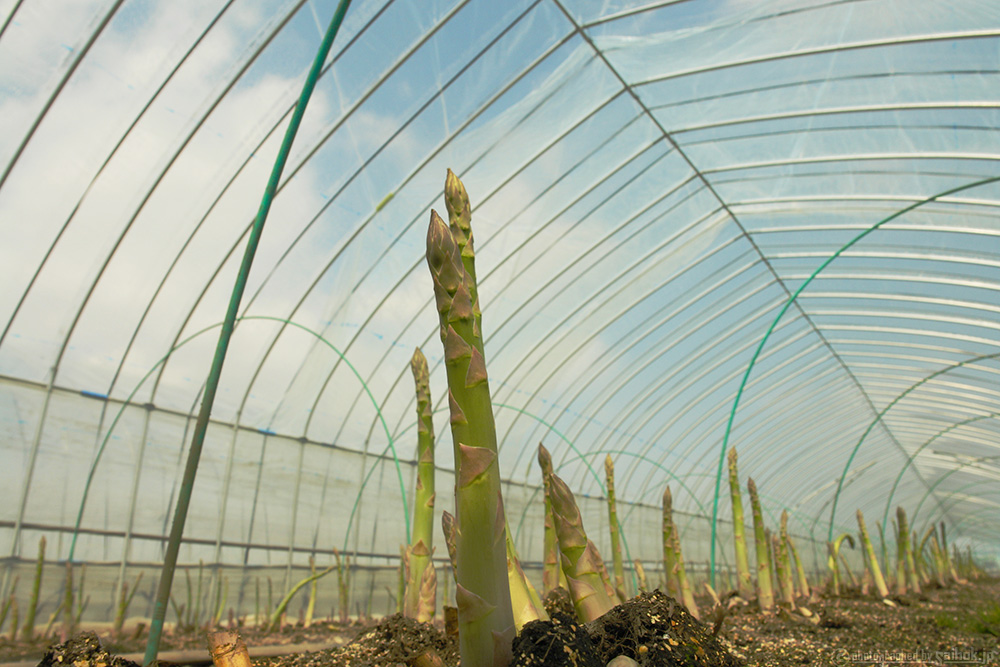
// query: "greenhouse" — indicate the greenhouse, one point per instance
point(701, 227)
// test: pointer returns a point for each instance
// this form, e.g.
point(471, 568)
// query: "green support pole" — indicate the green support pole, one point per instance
point(191, 467)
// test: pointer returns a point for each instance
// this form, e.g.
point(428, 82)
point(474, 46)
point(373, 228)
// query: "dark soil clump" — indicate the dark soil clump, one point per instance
point(655, 630)
point(394, 640)
point(83, 650)
point(560, 642)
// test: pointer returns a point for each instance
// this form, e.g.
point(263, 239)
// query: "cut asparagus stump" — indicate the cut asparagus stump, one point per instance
point(486, 621)
point(873, 566)
point(669, 559)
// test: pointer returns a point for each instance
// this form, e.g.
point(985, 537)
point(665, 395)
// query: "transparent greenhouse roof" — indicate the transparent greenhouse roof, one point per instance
point(652, 183)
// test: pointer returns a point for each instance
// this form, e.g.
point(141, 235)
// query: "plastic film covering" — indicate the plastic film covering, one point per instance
point(652, 182)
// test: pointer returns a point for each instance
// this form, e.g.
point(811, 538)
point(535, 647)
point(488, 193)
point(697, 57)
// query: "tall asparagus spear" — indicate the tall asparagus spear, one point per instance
point(616, 547)
point(579, 558)
point(486, 621)
point(552, 574)
point(765, 594)
point(669, 559)
point(799, 570)
point(907, 564)
point(784, 563)
point(743, 581)
point(423, 503)
point(873, 566)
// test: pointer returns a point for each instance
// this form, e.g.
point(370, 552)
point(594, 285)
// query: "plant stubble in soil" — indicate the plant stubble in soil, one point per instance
point(957, 625)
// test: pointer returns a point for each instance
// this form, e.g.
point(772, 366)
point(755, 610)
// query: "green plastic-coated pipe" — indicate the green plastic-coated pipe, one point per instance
point(774, 324)
point(201, 426)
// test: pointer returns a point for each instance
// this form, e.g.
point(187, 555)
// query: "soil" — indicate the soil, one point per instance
point(943, 626)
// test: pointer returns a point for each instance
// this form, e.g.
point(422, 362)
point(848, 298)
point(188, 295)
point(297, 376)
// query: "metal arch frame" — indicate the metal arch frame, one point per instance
point(709, 430)
point(413, 174)
point(837, 48)
point(67, 75)
point(889, 406)
point(55, 368)
point(483, 279)
point(948, 474)
point(789, 303)
point(413, 49)
point(660, 318)
point(128, 402)
point(668, 137)
point(286, 180)
point(813, 82)
point(546, 190)
point(928, 522)
point(597, 300)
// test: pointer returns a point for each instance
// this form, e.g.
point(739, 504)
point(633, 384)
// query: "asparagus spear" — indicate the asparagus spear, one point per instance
point(743, 580)
point(784, 564)
point(799, 570)
point(682, 581)
point(906, 564)
point(423, 503)
point(669, 559)
point(640, 572)
point(486, 620)
point(552, 574)
point(526, 604)
point(579, 557)
point(29, 620)
point(616, 547)
point(834, 556)
point(765, 594)
point(873, 567)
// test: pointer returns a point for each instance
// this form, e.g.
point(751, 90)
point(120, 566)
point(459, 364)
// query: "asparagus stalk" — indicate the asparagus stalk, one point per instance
point(682, 581)
point(486, 620)
point(427, 605)
point(834, 557)
point(423, 502)
point(125, 599)
point(29, 619)
point(909, 566)
point(403, 574)
point(313, 590)
point(640, 573)
point(605, 577)
point(784, 565)
point(69, 627)
point(743, 581)
point(765, 594)
point(902, 544)
point(526, 604)
point(275, 621)
point(552, 574)
point(850, 573)
point(616, 547)
point(799, 570)
point(884, 562)
point(669, 559)
point(10, 604)
point(579, 557)
point(450, 533)
point(873, 567)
